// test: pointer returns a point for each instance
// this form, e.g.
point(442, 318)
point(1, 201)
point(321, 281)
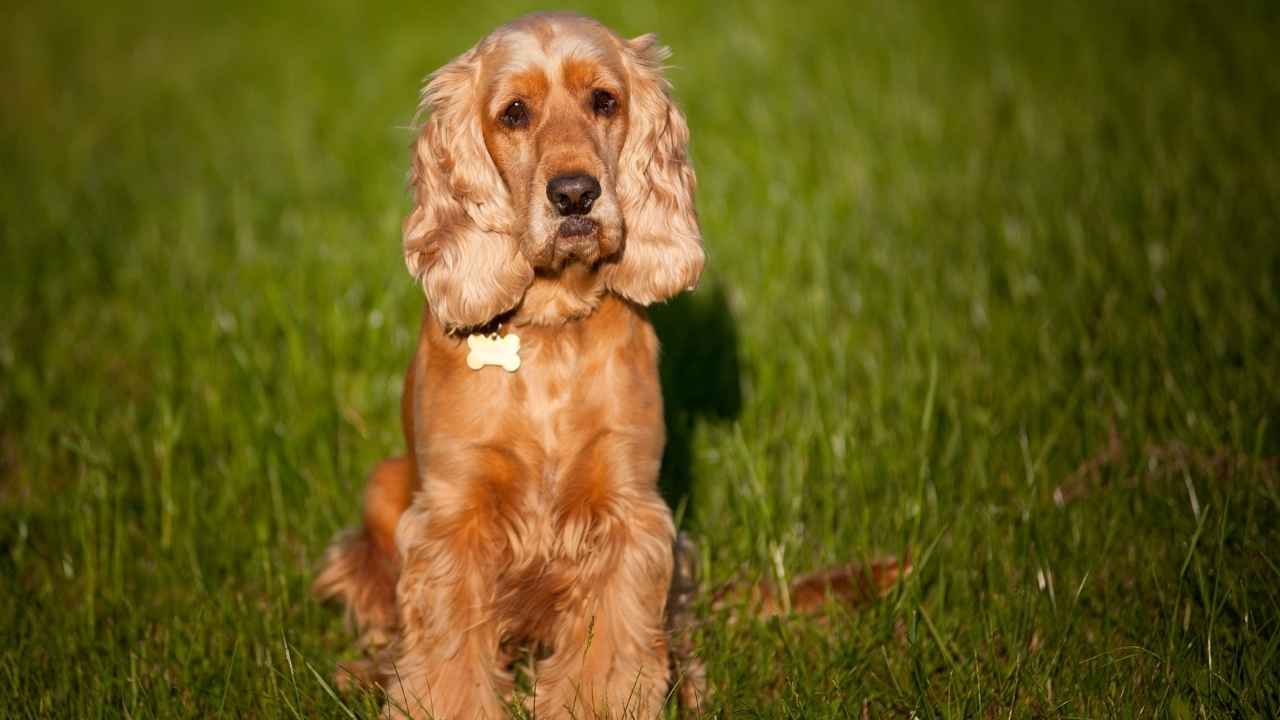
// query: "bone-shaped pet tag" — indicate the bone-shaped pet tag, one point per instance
point(494, 350)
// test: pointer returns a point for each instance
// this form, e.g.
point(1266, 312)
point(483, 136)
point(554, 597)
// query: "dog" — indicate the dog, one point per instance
point(553, 202)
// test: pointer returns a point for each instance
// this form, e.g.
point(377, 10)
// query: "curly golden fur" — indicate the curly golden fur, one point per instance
point(526, 514)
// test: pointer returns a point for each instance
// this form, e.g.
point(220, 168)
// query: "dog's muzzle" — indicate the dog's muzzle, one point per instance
point(577, 226)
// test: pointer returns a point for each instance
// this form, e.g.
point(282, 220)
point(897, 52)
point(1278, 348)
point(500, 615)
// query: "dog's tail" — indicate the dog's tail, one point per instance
point(356, 572)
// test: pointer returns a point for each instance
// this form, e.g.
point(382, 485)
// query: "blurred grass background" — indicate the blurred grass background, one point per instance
point(991, 282)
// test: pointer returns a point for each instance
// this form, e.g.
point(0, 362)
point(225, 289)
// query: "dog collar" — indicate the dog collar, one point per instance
point(493, 349)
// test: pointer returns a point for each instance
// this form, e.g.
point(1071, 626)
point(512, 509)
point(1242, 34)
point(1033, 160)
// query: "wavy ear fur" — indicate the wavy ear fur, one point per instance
point(663, 254)
point(458, 240)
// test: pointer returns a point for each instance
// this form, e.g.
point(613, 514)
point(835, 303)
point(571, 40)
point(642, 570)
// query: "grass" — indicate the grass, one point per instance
point(993, 283)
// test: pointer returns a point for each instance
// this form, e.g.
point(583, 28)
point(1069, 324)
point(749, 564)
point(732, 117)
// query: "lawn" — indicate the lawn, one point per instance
point(994, 284)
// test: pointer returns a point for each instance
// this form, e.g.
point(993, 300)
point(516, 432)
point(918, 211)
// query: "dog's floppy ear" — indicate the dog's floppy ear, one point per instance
point(459, 240)
point(663, 252)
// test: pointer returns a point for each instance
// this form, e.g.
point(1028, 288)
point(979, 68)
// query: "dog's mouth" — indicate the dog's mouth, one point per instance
point(577, 227)
point(574, 239)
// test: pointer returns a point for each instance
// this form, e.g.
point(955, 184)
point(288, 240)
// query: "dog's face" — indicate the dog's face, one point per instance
point(551, 143)
point(554, 118)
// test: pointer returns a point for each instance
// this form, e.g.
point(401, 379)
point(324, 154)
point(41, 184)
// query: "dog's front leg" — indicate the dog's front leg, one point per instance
point(610, 648)
point(447, 665)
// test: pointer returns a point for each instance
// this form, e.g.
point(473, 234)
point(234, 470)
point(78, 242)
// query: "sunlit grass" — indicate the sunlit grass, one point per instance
point(992, 284)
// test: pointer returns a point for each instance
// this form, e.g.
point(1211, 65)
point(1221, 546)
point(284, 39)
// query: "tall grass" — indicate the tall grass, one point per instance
point(991, 283)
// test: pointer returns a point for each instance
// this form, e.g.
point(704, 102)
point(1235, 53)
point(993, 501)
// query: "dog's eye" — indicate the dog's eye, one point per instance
point(516, 115)
point(603, 103)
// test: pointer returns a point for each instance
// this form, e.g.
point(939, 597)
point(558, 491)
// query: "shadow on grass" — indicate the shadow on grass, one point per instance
point(700, 379)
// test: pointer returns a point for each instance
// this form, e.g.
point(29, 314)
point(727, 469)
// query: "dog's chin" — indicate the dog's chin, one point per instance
point(577, 227)
point(574, 240)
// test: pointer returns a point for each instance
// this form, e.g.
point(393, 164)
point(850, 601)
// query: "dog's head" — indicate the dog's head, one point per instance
point(552, 143)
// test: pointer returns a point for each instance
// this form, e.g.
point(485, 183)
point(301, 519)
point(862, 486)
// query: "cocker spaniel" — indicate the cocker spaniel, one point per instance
point(553, 202)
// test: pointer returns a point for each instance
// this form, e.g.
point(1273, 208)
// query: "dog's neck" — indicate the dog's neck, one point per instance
point(555, 299)
point(552, 299)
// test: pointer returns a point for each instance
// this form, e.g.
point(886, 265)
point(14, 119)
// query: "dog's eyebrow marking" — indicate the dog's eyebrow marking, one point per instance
point(579, 73)
point(528, 82)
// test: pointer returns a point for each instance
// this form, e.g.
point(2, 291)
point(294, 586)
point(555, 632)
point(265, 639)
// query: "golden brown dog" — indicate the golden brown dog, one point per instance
point(553, 201)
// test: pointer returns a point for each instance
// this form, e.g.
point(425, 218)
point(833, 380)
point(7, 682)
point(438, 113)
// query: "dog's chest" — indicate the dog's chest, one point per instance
point(565, 392)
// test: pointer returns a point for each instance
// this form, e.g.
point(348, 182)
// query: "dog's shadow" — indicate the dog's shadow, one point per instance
point(700, 379)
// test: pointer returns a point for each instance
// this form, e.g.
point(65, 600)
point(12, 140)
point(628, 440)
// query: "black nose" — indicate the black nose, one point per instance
point(573, 194)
